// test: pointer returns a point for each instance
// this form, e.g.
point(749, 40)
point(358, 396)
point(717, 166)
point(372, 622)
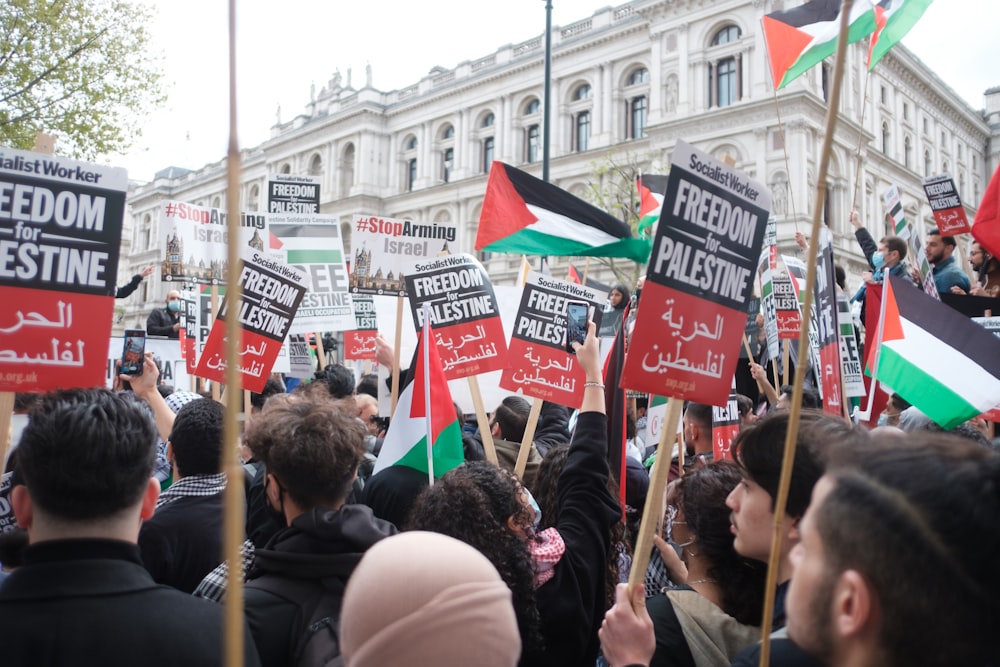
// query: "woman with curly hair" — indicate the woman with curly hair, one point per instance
point(715, 610)
point(556, 576)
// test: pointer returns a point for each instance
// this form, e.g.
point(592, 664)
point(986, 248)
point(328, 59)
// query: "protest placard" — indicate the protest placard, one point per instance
point(850, 355)
point(694, 303)
point(946, 205)
point(194, 240)
point(464, 313)
point(292, 194)
point(538, 363)
point(768, 303)
point(313, 245)
point(300, 362)
point(796, 271)
point(826, 326)
point(359, 343)
point(385, 247)
point(272, 292)
point(60, 233)
point(894, 210)
point(725, 427)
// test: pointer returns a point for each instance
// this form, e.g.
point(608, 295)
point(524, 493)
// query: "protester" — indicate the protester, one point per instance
point(947, 273)
point(714, 610)
point(987, 270)
point(82, 594)
point(510, 419)
point(132, 285)
point(897, 560)
point(611, 321)
point(311, 447)
point(888, 255)
point(487, 508)
point(182, 541)
point(410, 594)
point(166, 321)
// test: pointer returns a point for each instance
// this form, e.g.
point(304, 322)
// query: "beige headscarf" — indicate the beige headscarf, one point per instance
point(421, 598)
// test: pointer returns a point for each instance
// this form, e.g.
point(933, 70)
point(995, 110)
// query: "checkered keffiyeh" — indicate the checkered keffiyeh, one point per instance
point(213, 586)
point(546, 550)
point(195, 485)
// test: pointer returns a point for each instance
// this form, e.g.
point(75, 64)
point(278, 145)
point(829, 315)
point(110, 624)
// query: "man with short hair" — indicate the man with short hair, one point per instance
point(947, 273)
point(182, 541)
point(897, 560)
point(82, 594)
point(888, 255)
point(166, 321)
point(697, 429)
point(311, 446)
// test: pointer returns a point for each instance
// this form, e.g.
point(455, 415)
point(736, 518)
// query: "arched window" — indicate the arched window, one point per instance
point(488, 151)
point(216, 201)
point(725, 84)
point(532, 107)
point(411, 143)
point(488, 120)
point(885, 137)
point(582, 92)
point(253, 199)
point(286, 168)
point(532, 143)
point(730, 33)
point(448, 132)
point(316, 165)
point(638, 75)
point(347, 170)
point(635, 113)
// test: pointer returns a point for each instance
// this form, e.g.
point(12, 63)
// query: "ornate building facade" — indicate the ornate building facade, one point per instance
point(627, 83)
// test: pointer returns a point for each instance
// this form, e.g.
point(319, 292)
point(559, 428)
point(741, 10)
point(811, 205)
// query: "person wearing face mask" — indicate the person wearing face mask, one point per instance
point(887, 255)
point(166, 321)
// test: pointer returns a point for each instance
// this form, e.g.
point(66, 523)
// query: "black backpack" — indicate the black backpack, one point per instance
point(315, 638)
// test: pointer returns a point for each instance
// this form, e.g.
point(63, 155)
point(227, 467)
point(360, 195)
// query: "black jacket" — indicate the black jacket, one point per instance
point(572, 603)
point(127, 289)
point(182, 542)
point(92, 602)
point(323, 546)
point(161, 323)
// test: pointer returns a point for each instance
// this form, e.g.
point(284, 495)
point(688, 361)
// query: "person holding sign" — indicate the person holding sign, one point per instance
point(559, 611)
point(947, 273)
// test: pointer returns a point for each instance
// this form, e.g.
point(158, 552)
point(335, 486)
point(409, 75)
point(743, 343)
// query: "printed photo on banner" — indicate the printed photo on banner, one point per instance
point(313, 245)
point(272, 292)
point(946, 204)
point(464, 313)
point(194, 240)
point(60, 234)
point(694, 303)
point(538, 363)
point(292, 194)
point(385, 247)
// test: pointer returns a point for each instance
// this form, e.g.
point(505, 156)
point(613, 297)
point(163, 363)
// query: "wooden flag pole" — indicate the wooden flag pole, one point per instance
point(787, 359)
point(234, 525)
point(484, 425)
point(320, 350)
point(800, 369)
point(529, 437)
point(395, 360)
point(750, 358)
point(216, 389)
point(654, 499)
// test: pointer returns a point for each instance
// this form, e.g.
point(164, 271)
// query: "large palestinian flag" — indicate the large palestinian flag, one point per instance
point(935, 358)
point(801, 37)
point(986, 228)
point(652, 188)
point(893, 19)
point(523, 214)
point(424, 433)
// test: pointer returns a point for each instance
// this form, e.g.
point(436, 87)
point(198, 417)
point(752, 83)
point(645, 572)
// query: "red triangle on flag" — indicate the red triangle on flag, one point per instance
point(785, 44)
point(503, 206)
point(892, 326)
point(986, 228)
point(442, 409)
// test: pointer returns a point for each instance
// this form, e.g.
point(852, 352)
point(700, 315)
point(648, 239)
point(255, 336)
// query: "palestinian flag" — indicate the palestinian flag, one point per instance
point(986, 228)
point(522, 214)
point(424, 433)
point(652, 189)
point(893, 19)
point(935, 358)
point(801, 37)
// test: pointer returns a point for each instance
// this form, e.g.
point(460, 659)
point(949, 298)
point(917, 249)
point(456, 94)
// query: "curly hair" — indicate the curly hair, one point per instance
point(702, 496)
point(472, 503)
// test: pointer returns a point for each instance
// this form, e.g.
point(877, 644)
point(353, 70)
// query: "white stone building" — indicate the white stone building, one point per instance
point(627, 81)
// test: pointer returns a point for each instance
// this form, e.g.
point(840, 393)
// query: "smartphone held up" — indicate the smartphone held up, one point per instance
point(133, 352)
point(577, 317)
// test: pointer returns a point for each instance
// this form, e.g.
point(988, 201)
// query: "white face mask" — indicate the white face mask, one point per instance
point(671, 520)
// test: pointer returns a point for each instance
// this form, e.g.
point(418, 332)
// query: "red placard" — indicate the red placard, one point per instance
point(359, 344)
point(947, 205)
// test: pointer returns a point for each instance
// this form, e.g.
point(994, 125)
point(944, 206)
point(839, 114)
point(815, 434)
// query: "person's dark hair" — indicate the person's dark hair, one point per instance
point(702, 496)
point(962, 431)
point(840, 276)
point(626, 295)
point(368, 384)
point(947, 240)
point(512, 416)
point(700, 413)
point(925, 510)
point(12, 546)
point(339, 380)
point(272, 387)
point(810, 397)
point(311, 443)
point(898, 402)
point(472, 503)
point(894, 243)
point(743, 404)
point(760, 449)
point(87, 454)
point(26, 401)
point(196, 438)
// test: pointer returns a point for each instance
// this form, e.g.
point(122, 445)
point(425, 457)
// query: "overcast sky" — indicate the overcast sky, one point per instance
point(283, 47)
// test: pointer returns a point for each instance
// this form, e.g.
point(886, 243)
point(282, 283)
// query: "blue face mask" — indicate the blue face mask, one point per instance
point(878, 260)
point(538, 510)
point(173, 306)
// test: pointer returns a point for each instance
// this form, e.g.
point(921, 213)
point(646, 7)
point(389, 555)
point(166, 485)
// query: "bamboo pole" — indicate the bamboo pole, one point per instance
point(800, 369)
point(234, 526)
point(529, 436)
point(395, 360)
point(484, 425)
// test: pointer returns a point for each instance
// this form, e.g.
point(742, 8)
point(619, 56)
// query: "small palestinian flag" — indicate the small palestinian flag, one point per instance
point(936, 358)
point(523, 214)
point(652, 188)
point(986, 228)
point(893, 19)
point(801, 37)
